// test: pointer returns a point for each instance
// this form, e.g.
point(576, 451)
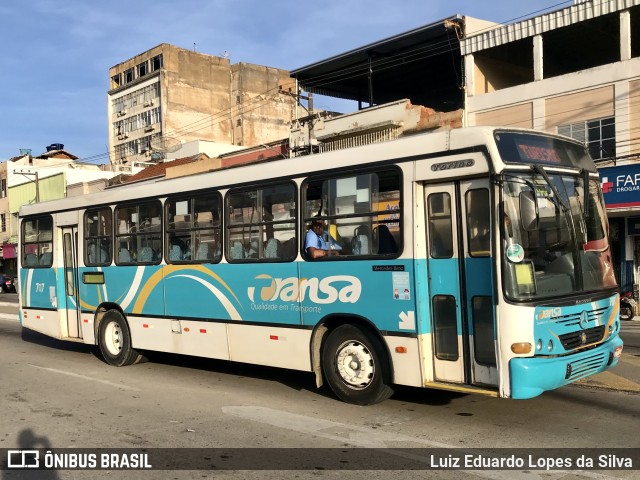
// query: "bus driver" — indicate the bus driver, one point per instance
point(318, 243)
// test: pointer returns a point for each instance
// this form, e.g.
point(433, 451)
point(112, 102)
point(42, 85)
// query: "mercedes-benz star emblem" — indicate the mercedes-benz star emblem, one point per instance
point(584, 319)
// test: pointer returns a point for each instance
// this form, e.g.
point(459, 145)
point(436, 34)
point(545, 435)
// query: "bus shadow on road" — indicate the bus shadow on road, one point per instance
point(37, 338)
point(294, 379)
point(425, 396)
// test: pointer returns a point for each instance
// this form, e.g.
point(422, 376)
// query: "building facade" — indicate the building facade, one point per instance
point(29, 179)
point(168, 95)
point(575, 72)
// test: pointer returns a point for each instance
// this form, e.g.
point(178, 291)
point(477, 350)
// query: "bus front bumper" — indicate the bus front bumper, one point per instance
point(533, 375)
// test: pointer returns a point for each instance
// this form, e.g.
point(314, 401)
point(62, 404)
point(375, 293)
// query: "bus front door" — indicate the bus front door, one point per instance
point(72, 307)
point(460, 282)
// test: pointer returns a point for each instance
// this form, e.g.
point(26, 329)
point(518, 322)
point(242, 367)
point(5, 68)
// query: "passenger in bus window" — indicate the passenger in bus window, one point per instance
point(318, 243)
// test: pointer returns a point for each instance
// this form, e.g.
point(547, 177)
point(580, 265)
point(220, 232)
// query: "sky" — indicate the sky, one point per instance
point(55, 55)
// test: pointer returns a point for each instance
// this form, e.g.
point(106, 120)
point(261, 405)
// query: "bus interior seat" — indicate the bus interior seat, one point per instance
point(288, 248)
point(175, 253)
point(31, 259)
point(385, 241)
point(124, 256)
point(202, 252)
point(272, 248)
point(146, 255)
point(361, 240)
point(236, 251)
point(91, 254)
point(104, 256)
point(46, 258)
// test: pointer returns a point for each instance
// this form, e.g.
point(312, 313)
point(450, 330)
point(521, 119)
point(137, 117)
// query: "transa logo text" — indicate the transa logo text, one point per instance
point(341, 288)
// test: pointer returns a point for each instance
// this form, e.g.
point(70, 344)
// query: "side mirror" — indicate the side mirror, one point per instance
point(528, 211)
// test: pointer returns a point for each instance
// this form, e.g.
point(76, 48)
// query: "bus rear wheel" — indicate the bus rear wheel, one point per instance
point(355, 367)
point(114, 339)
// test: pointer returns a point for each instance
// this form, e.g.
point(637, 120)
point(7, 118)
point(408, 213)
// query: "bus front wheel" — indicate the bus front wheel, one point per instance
point(114, 339)
point(355, 366)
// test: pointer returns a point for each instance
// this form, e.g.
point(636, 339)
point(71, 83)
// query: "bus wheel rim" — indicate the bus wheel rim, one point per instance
point(113, 338)
point(355, 364)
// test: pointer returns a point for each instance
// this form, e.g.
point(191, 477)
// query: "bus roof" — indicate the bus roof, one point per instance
point(403, 149)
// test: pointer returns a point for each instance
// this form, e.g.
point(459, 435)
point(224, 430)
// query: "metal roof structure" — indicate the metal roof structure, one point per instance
point(540, 24)
point(423, 64)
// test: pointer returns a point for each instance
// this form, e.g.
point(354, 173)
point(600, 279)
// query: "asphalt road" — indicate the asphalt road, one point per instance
point(62, 395)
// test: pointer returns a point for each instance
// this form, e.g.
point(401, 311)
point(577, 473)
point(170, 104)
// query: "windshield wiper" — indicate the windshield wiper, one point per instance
point(584, 173)
point(563, 202)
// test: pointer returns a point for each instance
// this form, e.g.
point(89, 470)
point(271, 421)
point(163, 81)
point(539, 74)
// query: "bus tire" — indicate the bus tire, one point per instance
point(355, 366)
point(114, 339)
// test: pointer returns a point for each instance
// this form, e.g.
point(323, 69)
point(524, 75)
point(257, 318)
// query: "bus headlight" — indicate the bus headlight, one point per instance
point(539, 345)
point(550, 345)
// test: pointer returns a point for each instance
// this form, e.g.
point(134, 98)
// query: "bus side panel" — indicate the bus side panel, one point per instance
point(136, 289)
point(270, 345)
point(264, 293)
point(404, 364)
point(380, 291)
point(39, 301)
point(202, 339)
point(424, 320)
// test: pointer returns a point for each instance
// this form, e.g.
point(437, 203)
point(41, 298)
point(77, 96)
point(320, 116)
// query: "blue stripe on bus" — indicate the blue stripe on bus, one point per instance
point(296, 293)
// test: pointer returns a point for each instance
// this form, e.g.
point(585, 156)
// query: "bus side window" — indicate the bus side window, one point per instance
point(362, 212)
point(98, 236)
point(37, 238)
point(440, 228)
point(478, 222)
point(260, 223)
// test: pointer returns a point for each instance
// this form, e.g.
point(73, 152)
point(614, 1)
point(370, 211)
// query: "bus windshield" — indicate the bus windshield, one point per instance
point(553, 244)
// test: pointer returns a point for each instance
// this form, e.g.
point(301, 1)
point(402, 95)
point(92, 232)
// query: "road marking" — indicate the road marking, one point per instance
point(364, 437)
point(84, 377)
point(9, 317)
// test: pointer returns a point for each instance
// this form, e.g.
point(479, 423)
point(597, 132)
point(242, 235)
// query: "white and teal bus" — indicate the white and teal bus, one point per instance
point(473, 260)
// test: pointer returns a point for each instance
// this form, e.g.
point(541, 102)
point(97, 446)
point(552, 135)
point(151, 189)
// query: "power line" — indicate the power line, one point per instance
point(409, 56)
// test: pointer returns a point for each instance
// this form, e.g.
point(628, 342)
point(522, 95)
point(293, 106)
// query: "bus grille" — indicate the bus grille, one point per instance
point(585, 367)
point(575, 339)
point(574, 318)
